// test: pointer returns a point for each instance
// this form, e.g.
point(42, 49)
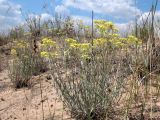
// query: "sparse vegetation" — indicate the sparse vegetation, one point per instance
point(97, 73)
point(25, 64)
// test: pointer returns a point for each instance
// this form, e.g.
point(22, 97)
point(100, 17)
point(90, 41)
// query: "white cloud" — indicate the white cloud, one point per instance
point(148, 16)
point(10, 14)
point(124, 28)
point(146, 19)
point(86, 20)
point(61, 9)
point(43, 16)
point(46, 17)
point(116, 8)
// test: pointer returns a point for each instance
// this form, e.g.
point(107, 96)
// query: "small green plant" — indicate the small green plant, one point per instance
point(20, 73)
point(25, 64)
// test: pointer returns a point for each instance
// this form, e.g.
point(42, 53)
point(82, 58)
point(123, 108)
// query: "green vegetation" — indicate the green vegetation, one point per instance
point(97, 73)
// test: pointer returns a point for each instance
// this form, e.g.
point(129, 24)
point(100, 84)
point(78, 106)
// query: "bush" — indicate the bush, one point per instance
point(20, 73)
point(25, 64)
point(91, 84)
point(89, 91)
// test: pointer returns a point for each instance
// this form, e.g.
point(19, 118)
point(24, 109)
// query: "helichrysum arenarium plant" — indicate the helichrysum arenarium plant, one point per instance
point(25, 64)
point(90, 76)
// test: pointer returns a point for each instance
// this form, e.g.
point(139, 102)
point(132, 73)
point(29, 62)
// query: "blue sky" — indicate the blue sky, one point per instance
point(121, 12)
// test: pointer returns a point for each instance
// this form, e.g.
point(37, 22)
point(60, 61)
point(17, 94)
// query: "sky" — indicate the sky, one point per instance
point(121, 12)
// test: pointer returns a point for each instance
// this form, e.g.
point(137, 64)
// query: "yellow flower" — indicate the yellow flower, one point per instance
point(74, 45)
point(109, 25)
point(13, 52)
point(44, 54)
point(71, 41)
point(48, 42)
point(118, 44)
point(85, 46)
point(133, 40)
point(99, 42)
point(21, 44)
point(115, 35)
point(103, 25)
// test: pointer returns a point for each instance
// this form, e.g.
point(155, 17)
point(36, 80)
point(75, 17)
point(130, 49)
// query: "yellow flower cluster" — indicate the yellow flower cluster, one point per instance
point(99, 42)
point(45, 54)
point(21, 44)
point(111, 41)
point(134, 40)
point(19, 47)
point(49, 48)
point(13, 52)
point(84, 47)
point(81, 48)
point(70, 41)
point(115, 35)
point(112, 37)
point(48, 42)
point(103, 25)
point(116, 41)
point(74, 45)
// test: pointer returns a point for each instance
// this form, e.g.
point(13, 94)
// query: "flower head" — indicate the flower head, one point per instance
point(48, 42)
point(44, 54)
point(71, 41)
point(13, 52)
point(99, 42)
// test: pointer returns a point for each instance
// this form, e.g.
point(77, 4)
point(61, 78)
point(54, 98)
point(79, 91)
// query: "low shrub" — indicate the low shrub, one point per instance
point(25, 64)
point(90, 77)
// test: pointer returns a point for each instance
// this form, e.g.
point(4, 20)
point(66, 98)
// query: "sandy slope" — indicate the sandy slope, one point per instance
point(26, 104)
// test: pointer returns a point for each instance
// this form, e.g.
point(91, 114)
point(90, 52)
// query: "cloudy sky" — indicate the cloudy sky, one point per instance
point(121, 12)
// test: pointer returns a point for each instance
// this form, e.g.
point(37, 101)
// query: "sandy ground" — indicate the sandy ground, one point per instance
point(37, 103)
point(30, 104)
